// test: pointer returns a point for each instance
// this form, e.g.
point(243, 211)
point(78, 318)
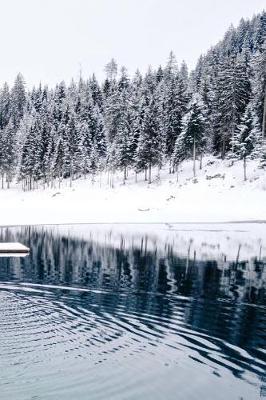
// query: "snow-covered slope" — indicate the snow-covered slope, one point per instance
point(218, 194)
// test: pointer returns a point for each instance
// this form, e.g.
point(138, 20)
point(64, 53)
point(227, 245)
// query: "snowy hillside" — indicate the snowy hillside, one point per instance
point(218, 194)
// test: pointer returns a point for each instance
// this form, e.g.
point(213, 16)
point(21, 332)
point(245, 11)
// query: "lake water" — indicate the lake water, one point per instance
point(134, 312)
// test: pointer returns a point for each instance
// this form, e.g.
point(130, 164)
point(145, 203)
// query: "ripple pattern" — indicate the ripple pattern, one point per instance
point(57, 345)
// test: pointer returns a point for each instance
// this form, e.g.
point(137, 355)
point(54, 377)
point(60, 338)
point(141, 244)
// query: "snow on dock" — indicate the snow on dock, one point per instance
point(13, 248)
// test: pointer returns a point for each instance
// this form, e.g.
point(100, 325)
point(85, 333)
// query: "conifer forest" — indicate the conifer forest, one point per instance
point(165, 116)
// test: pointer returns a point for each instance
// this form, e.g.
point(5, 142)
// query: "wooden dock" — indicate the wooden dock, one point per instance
point(13, 248)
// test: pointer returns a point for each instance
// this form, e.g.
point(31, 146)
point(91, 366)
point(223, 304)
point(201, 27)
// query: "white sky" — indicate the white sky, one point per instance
point(49, 40)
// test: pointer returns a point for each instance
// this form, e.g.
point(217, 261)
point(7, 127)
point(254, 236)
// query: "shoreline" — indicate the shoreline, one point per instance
point(195, 223)
point(217, 200)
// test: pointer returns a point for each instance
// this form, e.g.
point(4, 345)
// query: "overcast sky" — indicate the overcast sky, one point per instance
point(51, 40)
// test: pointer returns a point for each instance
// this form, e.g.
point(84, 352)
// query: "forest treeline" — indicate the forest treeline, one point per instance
point(166, 115)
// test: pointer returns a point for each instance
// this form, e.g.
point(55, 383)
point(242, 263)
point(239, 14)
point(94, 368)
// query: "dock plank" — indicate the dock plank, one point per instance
point(10, 248)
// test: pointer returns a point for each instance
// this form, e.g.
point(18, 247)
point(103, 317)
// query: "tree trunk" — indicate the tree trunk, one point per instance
point(125, 175)
point(245, 168)
point(176, 172)
point(145, 174)
point(264, 117)
point(112, 180)
point(194, 157)
point(149, 173)
point(223, 147)
point(71, 178)
point(200, 167)
point(2, 181)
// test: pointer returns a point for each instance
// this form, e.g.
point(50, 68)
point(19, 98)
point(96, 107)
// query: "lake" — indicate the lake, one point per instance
point(134, 312)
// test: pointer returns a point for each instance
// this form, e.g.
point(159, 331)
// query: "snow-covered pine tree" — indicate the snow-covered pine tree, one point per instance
point(111, 70)
point(72, 146)
point(259, 87)
point(5, 106)
point(259, 32)
point(179, 154)
point(58, 162)
point(123, 138)
point(99, 136)
point(151, 146)
point(245, 138)
point(111, 111)
point(86, 146)
point(9, 146)
point(7, 154)
point(234, 92)
point(18, 100)
point(2, 158)
point(192, 139)
point(29, 168)
point(137, 107)
point(173, 95)
point(95, 92)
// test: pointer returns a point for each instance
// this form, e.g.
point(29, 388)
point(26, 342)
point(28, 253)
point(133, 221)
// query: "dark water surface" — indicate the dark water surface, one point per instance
point(109, 313)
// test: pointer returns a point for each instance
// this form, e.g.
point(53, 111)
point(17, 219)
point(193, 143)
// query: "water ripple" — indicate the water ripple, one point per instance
point(86, 320)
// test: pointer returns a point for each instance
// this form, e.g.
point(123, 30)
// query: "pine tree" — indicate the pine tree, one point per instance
point(7, 153)
point(151, 146)
point(259, 32)
point(29, 169)
point(259, 87)
point(192, 140)
point(18, 100)
point(5, 106)
point(10, 152)
point(111, 70)
point(245, 139)
point(86, 146)
point(58, 162)
point(234, 91)
point(179, 154)
point(136, 110)
point(174, 106)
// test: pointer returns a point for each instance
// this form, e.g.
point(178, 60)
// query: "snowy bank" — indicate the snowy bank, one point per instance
point(218, 194)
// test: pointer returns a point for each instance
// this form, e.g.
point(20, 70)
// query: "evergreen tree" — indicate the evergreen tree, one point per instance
point(259, 87)
point(18, 100)
point(174, 106)
point(192, 140)
point(234, 91)
point(5, 106)
point(245, 139)
point(7, 153)
point(30, 155)
point(151, 146)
